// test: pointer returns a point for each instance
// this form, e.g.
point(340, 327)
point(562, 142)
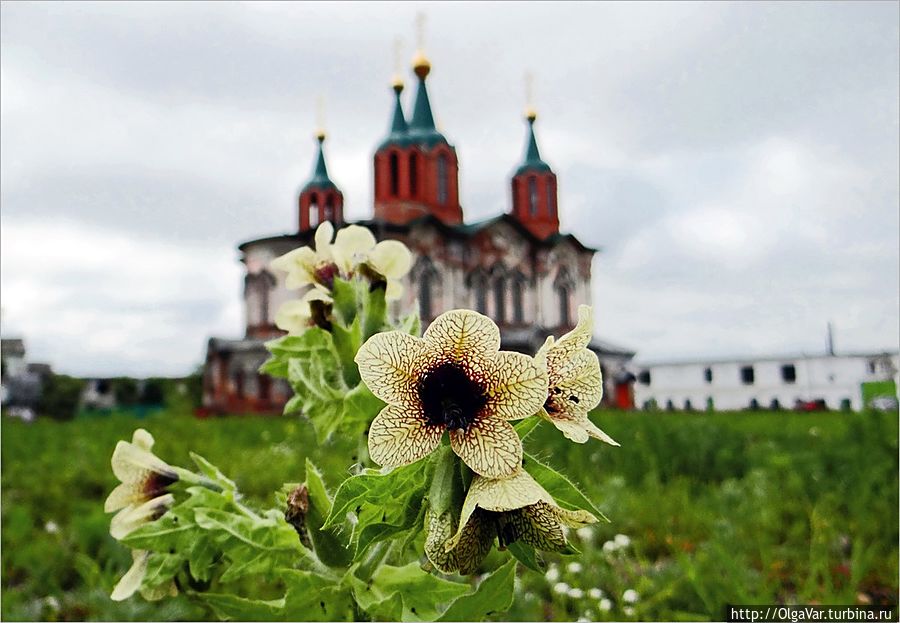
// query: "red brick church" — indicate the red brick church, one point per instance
point(517, 267)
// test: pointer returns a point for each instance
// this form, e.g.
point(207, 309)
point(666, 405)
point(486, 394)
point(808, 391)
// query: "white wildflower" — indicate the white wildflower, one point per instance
point(586, 534)
point(622, 540)
point(595, 593)
point(561, 588)
point(51, 527)
point(605, 605)
point(610, 546)
point(630, 596)
point(575, 593)
point(574, 567)
point(628, 610)
point(552, 574)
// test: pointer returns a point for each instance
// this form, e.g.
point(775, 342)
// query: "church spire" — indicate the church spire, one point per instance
point(320, 198)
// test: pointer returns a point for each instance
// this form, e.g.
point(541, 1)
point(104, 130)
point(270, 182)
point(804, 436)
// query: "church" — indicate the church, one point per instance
point(516, 268)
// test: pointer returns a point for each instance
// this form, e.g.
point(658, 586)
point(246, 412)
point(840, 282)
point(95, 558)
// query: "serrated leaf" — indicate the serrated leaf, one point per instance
point(347, 340)
point(422, 593)
point(213, 473)
point(314, 597)
point(165, 533)
point(294, 405)
point(493, 595)
point(566, 494)
point(234, 608)
point(261, 533)
point(526, 427)
point(344, 295)
point(359, 409)
point(247, 560)
point(374, 312)
point(375, 489)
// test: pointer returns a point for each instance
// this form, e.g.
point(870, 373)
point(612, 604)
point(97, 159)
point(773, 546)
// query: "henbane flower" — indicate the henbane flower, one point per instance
point(144, 476)
point(575, 384)
point(354, 250)
point(511, 509)
point(298, 315)
point(454, 378)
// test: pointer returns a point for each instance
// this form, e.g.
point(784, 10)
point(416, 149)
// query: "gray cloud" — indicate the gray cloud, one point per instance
point(736, 162)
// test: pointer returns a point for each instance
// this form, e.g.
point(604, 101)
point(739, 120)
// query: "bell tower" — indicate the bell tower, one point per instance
point(534, 188)
point(320, 199)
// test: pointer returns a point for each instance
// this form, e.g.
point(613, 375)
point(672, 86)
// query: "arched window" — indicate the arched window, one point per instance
point(500, 299)
point(425, 296)
point(313, 210)
point(551, 198)
point(532, 196)
point(394, 165)
point(442, 179)
point(565, 315)
point(239, 384)
point(329, 208)
point(413, 174)
point(518, 301)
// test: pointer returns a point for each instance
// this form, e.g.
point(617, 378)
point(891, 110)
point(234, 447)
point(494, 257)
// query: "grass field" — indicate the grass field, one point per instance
point(717, 508)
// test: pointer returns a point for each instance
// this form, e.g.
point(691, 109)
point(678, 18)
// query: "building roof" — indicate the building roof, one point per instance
point(461, 231)
point(533, 161)
point(12, 347)
point(320, 179)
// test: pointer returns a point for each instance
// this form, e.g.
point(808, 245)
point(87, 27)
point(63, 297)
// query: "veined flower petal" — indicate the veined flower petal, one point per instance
point(352, 245)
point(131, 581)
point(131, 518)
point(390, 365)
point(500, 494)
point(470, 547)
point(399, 435)
point(126, 494)
point(575, 384)
point(464, 336)
point(300, 266)
point(516, 385)
point(296, 316)
point(489, 446)
point(537, 525)
point(391, 259)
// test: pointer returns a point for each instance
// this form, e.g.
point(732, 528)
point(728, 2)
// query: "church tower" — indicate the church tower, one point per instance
point(416, 169)
point(534, 189)
point(320, 198)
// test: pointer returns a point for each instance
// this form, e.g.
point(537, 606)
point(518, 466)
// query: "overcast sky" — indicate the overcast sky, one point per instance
point(737, 163)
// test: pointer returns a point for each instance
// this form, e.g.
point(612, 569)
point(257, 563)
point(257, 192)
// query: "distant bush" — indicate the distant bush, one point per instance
point(60, 397)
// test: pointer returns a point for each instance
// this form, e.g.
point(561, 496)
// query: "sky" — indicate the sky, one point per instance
point(736, 163)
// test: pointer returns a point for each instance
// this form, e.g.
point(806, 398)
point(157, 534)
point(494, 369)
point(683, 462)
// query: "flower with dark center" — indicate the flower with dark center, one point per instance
point(144, 477)
point(575, 385)
point(455, 379)
point(511, 510)
point(313, 310)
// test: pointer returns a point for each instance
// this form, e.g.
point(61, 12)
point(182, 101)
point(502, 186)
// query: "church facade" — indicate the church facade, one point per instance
point(516, 268)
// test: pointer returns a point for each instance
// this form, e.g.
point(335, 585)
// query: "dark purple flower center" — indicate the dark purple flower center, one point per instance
point(450, 397)
point(156, 483)
point(325, 274)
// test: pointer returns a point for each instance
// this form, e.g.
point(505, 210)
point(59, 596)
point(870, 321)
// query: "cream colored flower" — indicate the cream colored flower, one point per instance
point(134, 577)
point(143, 475)
point(298, 315)
point(307, 266)
point(453, 379)
point(575, 384)
point(133, 517)
point(511, 509)
point(354, 250)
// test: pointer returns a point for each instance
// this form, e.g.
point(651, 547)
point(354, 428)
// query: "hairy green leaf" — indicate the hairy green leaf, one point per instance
point(234, 608)
point(493, 595)
point(327, 545)
point(566, 494)
point(213, 473)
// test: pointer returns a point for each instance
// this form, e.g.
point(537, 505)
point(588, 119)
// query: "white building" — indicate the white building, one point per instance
point(764, 382)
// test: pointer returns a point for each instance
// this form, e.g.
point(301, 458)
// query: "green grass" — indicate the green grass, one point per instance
point(720, 508)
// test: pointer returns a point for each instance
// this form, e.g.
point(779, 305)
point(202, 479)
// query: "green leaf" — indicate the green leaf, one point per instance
point(167, 532)
point(234, 608)
point(161, 568)
point(266, 533)
point(374, 312)
point(421, 592)
point(200, 558)
point(347, 340)
point(360, 408)
point(410, 324)
point(375, 489)
point(493, 595)
point(527, 555)
point(247, 560)
point(527, 426)
point(327, 545)
point(314, 597)
point(294, 405)
point(566, 494)
point(344, 294)
point(312, 340)
point(213, 473)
